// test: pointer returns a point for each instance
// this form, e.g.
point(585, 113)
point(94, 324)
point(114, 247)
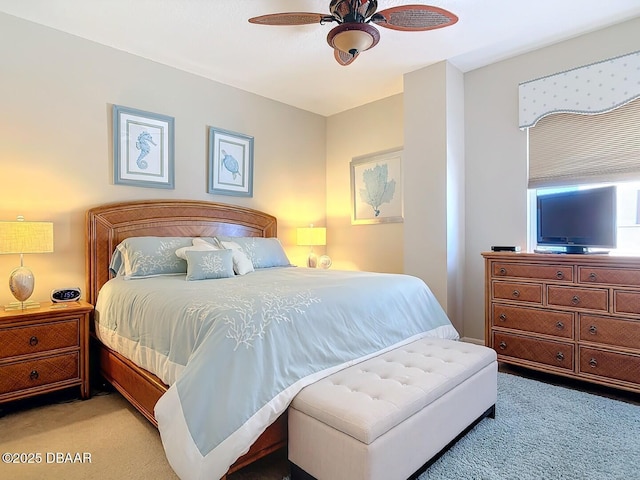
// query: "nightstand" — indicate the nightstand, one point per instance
point(44, 349)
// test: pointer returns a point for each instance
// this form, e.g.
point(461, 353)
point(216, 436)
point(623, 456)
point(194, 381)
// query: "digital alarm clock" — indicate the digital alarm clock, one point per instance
point(71, 294)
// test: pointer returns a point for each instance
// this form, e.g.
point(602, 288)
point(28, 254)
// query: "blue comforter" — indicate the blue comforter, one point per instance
point(241, 348)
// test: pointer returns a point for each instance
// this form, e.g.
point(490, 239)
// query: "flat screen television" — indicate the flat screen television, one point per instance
point(578, 220)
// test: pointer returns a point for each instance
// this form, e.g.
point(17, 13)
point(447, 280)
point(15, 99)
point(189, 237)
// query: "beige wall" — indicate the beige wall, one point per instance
point(56, 95)
point(434, 184)
point(372, 128)
point(496, 150)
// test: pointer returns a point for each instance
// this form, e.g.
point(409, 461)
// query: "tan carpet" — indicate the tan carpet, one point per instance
point(120, 442)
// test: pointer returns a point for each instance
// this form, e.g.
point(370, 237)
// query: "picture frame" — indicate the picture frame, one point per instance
point(230, 163)
point(143, 148)
point(376, 188)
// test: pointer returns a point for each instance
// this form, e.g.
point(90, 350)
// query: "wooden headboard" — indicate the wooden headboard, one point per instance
point(109, 224)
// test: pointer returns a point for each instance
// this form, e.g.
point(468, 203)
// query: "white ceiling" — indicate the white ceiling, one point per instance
point(294, 65)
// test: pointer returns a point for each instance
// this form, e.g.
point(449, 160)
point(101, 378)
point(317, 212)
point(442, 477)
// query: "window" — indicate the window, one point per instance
point(628, 215)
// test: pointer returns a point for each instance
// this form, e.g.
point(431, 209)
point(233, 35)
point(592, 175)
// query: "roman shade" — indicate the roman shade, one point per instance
point(573, 149)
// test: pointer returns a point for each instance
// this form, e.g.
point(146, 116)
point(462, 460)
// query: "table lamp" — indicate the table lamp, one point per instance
point(310, 236)
point(22, 237)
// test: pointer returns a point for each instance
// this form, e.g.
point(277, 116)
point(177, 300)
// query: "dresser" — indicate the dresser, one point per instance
point(571, 315)
point(44, 349)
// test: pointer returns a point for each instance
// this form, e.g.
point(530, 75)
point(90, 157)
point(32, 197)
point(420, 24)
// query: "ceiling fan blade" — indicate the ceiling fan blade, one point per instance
point(289, 18)
point(344, 58)
point(414, 18)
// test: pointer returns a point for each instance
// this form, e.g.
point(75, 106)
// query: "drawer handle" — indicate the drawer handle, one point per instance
point(560, 356)
point(503, 271)
point(33, 341)
point(503, 345)
point(516, 293)
point(593, 363)
point(560, 326)
point(593, 329)
point(503, 317)
point(559, 275)
point(575, 300)
point(593, 277)
point(34, 375)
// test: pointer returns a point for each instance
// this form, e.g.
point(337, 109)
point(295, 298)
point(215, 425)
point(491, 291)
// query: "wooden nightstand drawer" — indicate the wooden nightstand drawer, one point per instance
point(591, 298)
point(608, 364)
point(556, 354)
point(27, 374)
point(521, 292)
point(559, 324)
point(540, 272)
point(39, 338)
point(609, 276)
point(609, 331)
point(626, 302)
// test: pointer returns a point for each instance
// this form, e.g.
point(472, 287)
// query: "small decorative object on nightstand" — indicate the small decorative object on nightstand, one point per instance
point(44, 349)
point(313, 237)
point(22, 237)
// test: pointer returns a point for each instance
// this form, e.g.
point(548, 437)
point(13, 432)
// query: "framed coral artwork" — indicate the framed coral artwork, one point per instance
point(230, 163)
point(376, 188)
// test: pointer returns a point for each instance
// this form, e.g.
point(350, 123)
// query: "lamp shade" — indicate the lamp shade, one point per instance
point(26, 237)
point(312, 236)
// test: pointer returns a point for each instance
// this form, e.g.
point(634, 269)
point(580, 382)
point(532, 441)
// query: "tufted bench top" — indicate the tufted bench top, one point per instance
point(368, 399)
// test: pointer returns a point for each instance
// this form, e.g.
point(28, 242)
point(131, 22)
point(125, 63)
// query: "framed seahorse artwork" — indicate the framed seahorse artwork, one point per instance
point(230, 163)
point(143, 149)
point(376, 188)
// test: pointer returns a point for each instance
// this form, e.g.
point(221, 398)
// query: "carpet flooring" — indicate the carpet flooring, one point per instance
point(541, 431)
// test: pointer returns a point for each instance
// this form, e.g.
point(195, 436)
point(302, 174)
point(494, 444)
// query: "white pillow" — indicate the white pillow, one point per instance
point(196, 247)
point(241, 263)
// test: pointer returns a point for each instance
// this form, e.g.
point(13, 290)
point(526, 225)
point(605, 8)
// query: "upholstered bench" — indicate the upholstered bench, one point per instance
point(386, 417)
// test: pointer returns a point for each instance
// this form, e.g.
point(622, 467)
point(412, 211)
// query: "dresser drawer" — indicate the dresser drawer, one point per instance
point(609, 331)
point(533, 271)
point(16, 341)
point(36, 373)
point(559, 324)
point(522, 292)
point(590, 298)
point(607, 364)
point(626, 302)
point(547, 352)
point(609, 276)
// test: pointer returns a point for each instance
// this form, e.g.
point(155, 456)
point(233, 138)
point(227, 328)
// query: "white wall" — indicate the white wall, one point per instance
point(496, 150)
point(56, 95)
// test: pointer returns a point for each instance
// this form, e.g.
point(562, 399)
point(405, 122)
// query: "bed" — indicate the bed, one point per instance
point(109, 225)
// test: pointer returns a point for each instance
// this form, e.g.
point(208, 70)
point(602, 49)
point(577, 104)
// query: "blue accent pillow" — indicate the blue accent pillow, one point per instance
point(202, 264)
point(263, 252)
point(141, 257)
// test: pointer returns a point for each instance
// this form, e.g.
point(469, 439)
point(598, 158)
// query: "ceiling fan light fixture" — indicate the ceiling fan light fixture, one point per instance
point(353, 38)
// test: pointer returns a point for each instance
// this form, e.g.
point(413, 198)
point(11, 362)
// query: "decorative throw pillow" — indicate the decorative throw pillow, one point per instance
point(142, 257)
point(241, 263)
point(207, 264)
point(263, 252)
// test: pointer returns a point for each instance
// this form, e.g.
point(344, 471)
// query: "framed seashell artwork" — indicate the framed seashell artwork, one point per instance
point(142, 148)
point(230, 163)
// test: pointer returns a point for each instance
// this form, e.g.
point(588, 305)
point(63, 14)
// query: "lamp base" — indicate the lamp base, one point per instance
point(28, 304)
point(312, 260)
point(21, 283)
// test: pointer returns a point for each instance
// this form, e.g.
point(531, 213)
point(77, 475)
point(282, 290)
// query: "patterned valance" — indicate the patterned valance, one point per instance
point(596, 88)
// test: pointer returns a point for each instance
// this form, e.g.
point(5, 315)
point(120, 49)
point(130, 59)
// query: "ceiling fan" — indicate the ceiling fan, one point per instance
point(355, 33)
